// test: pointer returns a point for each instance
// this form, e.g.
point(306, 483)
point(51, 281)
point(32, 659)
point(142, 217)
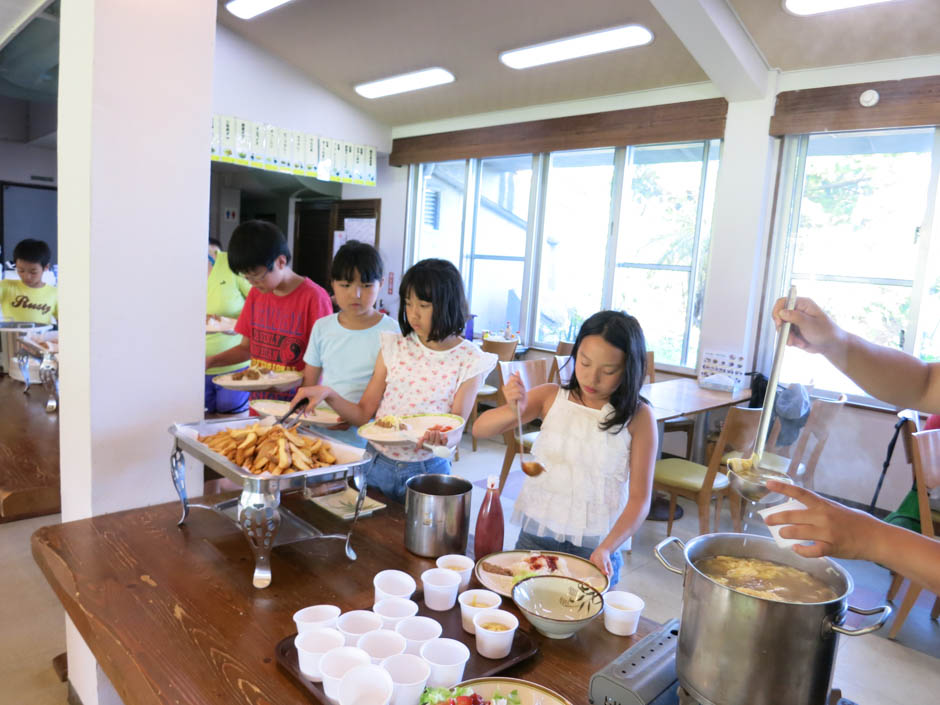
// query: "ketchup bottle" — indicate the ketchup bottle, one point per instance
point(488, 535)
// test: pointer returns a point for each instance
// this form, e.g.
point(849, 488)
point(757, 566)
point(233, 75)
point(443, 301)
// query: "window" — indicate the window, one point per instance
point(443, 184)
point(856, 223)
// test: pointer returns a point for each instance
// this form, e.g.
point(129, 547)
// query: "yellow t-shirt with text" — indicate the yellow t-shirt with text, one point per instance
point(19, 302)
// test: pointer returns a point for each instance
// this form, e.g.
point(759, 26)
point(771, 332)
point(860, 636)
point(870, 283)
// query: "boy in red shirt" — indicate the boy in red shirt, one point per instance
point(280, 309)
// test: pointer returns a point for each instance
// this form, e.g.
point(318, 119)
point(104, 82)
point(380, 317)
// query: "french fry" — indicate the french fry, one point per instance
point(325, 456)
point(249, 440)
point(293, 438)
point(258, 465)
point(283, 454)
point(314, 445)
point(300, 462)
point(273, 449)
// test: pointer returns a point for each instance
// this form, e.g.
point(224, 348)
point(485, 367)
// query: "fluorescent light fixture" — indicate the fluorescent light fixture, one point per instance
point(815, 7)
point(425, 78)
point(631, 35)
point(246, 9)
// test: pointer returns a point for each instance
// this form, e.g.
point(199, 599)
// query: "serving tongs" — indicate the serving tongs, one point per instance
point(298, 407)
point(746, 475)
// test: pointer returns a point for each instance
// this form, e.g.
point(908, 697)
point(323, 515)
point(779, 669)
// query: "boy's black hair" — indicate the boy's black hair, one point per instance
point(256, 243)
point(215, 241)
point(439, 282)
point(34, 251)
point(357, 257)
point(622, 331)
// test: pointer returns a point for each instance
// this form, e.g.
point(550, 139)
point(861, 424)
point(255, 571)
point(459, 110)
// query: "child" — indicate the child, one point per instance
point(428, 367)
point(344, 346)
point(598, 439)
point(225, 296)
point(280, 309)
point(27, 298)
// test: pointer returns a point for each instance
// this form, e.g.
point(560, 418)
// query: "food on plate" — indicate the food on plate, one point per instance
point(463, 695)
point(252, 373)
point(441, 427)
point(503, 571)
point(272, 449)
point(766, 579)
point(494, 627)
point(391, 421)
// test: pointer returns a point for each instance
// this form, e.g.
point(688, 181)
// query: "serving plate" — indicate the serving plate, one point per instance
point(529, 693)
point(570, 566)
point(417, 424)
point(320, 416)
point(280, 381)
point(221, 324)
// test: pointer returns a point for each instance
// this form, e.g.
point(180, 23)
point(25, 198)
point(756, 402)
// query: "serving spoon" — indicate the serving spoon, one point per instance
point(531, 468)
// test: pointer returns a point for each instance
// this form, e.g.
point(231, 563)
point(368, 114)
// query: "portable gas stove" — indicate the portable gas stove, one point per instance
point(645, 674)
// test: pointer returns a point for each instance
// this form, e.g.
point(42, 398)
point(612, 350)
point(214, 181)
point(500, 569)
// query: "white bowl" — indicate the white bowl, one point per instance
point(417, 631)
point(488, 600)
point(335, 664)
point(491, 643)
point(622, 612)
point(460, 564)
point(447, 659)
point(409, 674)
point(365, 685)
point(440, 588)
point(394, 609)
point(381, 644)
point(311, 645)
point(356, 623)
point(393, 583)
point(557, 606)
point(316, 617)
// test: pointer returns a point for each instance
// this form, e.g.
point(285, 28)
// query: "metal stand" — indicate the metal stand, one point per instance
point(264, 523)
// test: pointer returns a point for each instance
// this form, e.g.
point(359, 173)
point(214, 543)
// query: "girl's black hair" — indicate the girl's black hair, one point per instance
point(33, 251)
point(357, 257)
point(439, 282)
point(622, 331)
point(256, 243)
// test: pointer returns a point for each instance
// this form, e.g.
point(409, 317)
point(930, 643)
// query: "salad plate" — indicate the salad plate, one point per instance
point(493, 691)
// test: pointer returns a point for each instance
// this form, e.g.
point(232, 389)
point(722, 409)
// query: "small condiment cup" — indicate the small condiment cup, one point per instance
point(494, 644)
point(365, 685)
point(336, 663)
point(460, 564)
point(311, 645)
point(447, 659)
point(381, 644)
point(409, 674)
point(316, 617)
point(394, 609)
point(489, 599)
point(789, 505)
point(356, 623)
point(393, 583)
point(622, 612)
point(440, 588)
point(417, 631)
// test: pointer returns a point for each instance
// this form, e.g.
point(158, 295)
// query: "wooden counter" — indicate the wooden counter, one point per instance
point(172, 617)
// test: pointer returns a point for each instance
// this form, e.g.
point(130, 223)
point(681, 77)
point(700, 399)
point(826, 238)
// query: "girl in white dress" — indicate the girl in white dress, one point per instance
point(598, 445)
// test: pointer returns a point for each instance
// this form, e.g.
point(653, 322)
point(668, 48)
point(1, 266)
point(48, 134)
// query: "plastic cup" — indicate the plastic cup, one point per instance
point(790, 504)
point(365, 685)
point(381, 644)
point(409, 674)
point(487, 599)
point(440, 588)
point(491, 643)
point(393, 583)
point(622, 612)
point(311, 645)
point(336, 663)
point(417, 631)
point(447, 659)
point(460, 564)
point(316, 617)
point(356, 623)
point(394, 609)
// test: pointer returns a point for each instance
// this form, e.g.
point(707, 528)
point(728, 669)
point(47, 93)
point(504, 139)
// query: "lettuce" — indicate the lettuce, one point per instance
point(432, 696)
point(511, 699)
point(522, 575)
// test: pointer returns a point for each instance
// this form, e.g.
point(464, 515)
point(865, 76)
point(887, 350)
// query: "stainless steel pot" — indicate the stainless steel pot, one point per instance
point(736, 649)
point(437, 514)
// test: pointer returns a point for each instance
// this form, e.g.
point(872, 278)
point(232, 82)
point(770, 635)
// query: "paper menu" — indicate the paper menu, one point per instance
point(285, 149)
point(299, 151)
point(311, 155)
point(257, 151)
point(722, 370)
point(270, 147)
point(243, 130)
point(370, 167)
point(359, 164)
point(325, 163)
point(339, 160)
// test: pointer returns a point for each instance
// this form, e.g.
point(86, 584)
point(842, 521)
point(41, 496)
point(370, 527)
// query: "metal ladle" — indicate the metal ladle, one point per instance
point(531, 468)
point(746, 475)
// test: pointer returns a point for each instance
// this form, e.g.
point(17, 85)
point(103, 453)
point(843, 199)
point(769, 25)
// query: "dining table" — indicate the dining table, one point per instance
point(171, 616)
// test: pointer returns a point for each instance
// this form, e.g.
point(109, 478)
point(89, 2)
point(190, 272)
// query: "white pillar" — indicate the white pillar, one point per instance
point(134, 108)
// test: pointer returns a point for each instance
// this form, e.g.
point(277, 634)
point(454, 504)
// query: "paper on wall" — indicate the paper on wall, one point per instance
point(215, 139)
point(358, 172)
point(270, 147)
point(298, 151)
point(311, 155)
point(256, 154)
point(227, 124)
point(284, 149)
point(371, 168)
point(339, 160)
point(242, 141)
point(325, 162)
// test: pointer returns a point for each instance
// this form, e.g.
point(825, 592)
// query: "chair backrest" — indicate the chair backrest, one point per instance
point(822, 412)
point(650, 366)
point(564, 347)
point(739, 433)
point(504, 349)
point(562, 369)
point(911, 426)
point(926, 447)
point(534, 372)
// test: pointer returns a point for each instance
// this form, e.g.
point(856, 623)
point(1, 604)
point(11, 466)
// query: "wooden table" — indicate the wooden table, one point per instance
point(683, 397)
point(171, 615)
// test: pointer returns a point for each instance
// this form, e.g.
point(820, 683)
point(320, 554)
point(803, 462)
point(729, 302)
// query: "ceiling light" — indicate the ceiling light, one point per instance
point(405, 82)
point(246, 9)
point(815, 7)
point(631, 35)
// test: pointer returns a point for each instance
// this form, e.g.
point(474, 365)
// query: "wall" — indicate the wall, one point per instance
point(20, 162)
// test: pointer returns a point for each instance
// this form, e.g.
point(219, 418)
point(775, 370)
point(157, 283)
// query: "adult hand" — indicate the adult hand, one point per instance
point(515, 393)
point(811, 328)
point(835, 529)
point(601, 558)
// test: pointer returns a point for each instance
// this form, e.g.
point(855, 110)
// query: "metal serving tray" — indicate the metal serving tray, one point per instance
point(257, 512)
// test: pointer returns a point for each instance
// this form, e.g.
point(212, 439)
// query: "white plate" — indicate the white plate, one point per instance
point(322, 415)
point(223, 324)
point(571, 566)
point(280, 381)
point(417, 425)
point(529, 693)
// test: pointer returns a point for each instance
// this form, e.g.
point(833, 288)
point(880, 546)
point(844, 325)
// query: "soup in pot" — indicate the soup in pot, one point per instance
point(766, 579)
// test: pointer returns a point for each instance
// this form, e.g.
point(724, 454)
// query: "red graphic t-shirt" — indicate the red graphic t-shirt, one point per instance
point(278, 328)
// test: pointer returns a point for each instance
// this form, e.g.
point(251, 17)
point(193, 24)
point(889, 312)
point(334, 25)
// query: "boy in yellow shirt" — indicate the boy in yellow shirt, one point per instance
point(27, 298)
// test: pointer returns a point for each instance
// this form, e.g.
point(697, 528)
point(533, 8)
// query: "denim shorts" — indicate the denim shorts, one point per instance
point(390, 476)
point(531, 542)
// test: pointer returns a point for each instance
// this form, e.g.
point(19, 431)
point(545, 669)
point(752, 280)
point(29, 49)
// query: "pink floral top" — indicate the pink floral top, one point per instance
point(421, 380)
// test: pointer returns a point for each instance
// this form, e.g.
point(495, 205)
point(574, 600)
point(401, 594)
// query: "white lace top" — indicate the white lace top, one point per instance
point(421, 380)
point(584, 487)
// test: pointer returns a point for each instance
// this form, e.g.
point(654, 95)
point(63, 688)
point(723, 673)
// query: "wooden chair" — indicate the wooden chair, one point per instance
point(488, 394)
point(534, 372)
point(682, 478)
point(564, 347)
point(911, 426)
point(562, 369)
point(926, 457)
point(682, 424)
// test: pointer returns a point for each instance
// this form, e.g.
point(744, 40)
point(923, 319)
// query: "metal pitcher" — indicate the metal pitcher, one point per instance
point(437, 514)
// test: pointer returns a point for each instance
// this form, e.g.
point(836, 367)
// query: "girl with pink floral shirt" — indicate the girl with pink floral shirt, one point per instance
point(429, 368)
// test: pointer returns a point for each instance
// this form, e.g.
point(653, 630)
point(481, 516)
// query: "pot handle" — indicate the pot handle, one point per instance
point(884, 610)
point(658, 551)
